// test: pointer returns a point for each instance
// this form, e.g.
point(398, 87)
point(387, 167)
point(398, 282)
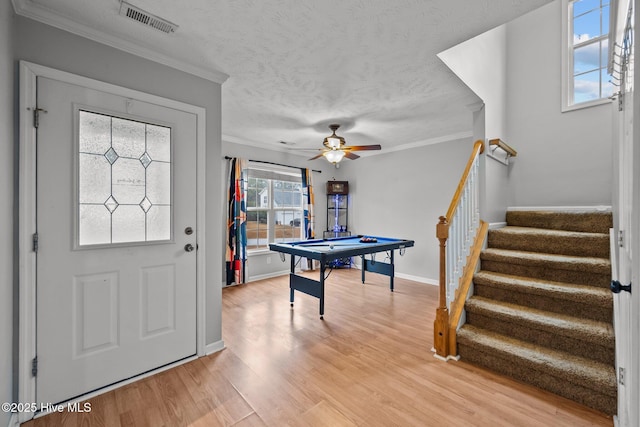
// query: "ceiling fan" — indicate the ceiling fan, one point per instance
point(336, 149)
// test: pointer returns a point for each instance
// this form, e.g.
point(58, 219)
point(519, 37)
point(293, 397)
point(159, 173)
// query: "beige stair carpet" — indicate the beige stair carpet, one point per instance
point(541, 311)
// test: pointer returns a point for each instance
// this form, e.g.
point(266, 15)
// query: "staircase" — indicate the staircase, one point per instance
point(542, 311)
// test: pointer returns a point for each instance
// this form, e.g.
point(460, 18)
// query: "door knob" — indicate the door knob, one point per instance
point(616, 287)
point(188, 247)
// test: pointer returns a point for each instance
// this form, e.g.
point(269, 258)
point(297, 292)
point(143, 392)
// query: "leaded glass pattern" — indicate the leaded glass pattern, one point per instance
point(124, 180)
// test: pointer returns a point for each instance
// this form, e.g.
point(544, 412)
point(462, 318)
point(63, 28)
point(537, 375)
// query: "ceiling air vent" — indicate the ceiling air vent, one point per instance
point(146, 18)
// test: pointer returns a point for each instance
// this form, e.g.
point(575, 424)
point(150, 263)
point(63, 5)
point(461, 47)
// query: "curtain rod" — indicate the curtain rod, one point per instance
point(272, 163)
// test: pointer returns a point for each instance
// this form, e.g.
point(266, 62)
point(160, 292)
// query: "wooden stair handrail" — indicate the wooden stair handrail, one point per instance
point(506, 147)
point(441, 325)
point(478, 148)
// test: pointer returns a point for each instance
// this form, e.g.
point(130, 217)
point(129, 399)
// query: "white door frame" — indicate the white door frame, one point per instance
point(27, 211)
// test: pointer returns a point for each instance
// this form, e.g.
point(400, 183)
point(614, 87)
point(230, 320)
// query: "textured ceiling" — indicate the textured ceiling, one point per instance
point(295, 66)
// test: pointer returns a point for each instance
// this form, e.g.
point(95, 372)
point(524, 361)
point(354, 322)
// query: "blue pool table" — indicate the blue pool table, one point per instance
point(327, 250)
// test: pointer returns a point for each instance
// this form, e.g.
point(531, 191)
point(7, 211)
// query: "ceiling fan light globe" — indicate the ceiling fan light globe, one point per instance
point(333, 142)
point(334, 156)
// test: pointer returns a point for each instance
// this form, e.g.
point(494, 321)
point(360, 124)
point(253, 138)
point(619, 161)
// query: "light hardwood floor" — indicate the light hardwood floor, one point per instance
point(368, 363)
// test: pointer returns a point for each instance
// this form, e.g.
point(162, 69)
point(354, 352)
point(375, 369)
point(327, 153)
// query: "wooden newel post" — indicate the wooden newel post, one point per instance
point(441, 324)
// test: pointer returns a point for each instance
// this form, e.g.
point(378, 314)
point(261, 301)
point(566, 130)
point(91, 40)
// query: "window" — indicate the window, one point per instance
point(274, 207)
point(586, 53)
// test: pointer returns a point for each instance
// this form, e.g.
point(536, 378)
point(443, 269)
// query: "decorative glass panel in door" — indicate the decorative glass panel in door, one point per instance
point(124, 180)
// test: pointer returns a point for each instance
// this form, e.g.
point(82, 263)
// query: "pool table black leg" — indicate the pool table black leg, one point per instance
point(364, 267)
point(322, 268)
point(392, 271)
point(293, 266)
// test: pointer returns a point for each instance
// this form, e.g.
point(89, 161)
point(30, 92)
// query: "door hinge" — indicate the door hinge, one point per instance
point(620, 101)
point(621, 238)
point(35, 242)
point(36, 116)
point(621, 375)
point(616, 287)
point(34, 366)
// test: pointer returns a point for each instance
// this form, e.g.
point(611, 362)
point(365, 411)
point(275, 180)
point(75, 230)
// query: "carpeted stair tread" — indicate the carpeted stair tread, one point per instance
point(559, 325)
point(565, 291)
point(590, 374)
point(587, 221)
point(599, 394)
point(550, 241)
point(541, 310)
point(555, 261)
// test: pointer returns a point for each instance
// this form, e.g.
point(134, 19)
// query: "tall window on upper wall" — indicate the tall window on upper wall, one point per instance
point(274, 206)
point(587, 31)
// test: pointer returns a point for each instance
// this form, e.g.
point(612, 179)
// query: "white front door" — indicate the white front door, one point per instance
point(626, 201)
point(623, 270)
point(116, 258)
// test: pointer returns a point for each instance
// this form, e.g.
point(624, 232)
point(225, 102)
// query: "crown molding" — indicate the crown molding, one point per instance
point(425, 142)
point(409, 146)
point(47, 16)
point(256, 144)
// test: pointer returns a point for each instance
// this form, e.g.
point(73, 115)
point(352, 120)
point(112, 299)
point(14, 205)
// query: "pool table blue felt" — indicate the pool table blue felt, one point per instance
point(343, 247)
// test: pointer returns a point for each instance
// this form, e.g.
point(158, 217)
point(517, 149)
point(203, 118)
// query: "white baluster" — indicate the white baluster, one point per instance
point(467, 219)
point(449, 263)
point(462, 230)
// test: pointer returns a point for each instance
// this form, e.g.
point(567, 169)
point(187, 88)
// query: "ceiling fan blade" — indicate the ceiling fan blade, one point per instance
point(317, 157)
point(351, 156)
point(362, 147)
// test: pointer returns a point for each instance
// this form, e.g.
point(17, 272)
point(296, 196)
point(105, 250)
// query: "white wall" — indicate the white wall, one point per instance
point(6, 207)
point(402, 194)
point(481, 63)
point(564, 159)
point(45, 45)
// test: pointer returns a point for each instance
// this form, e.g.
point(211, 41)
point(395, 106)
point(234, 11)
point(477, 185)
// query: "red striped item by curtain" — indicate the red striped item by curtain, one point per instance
point(236, 248)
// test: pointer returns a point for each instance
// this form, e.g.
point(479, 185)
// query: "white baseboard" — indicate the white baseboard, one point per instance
point(598, 208)
point(214, 347)
point(496, 225)
point(419, 279)
point(258, 277)
point(267, 276)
